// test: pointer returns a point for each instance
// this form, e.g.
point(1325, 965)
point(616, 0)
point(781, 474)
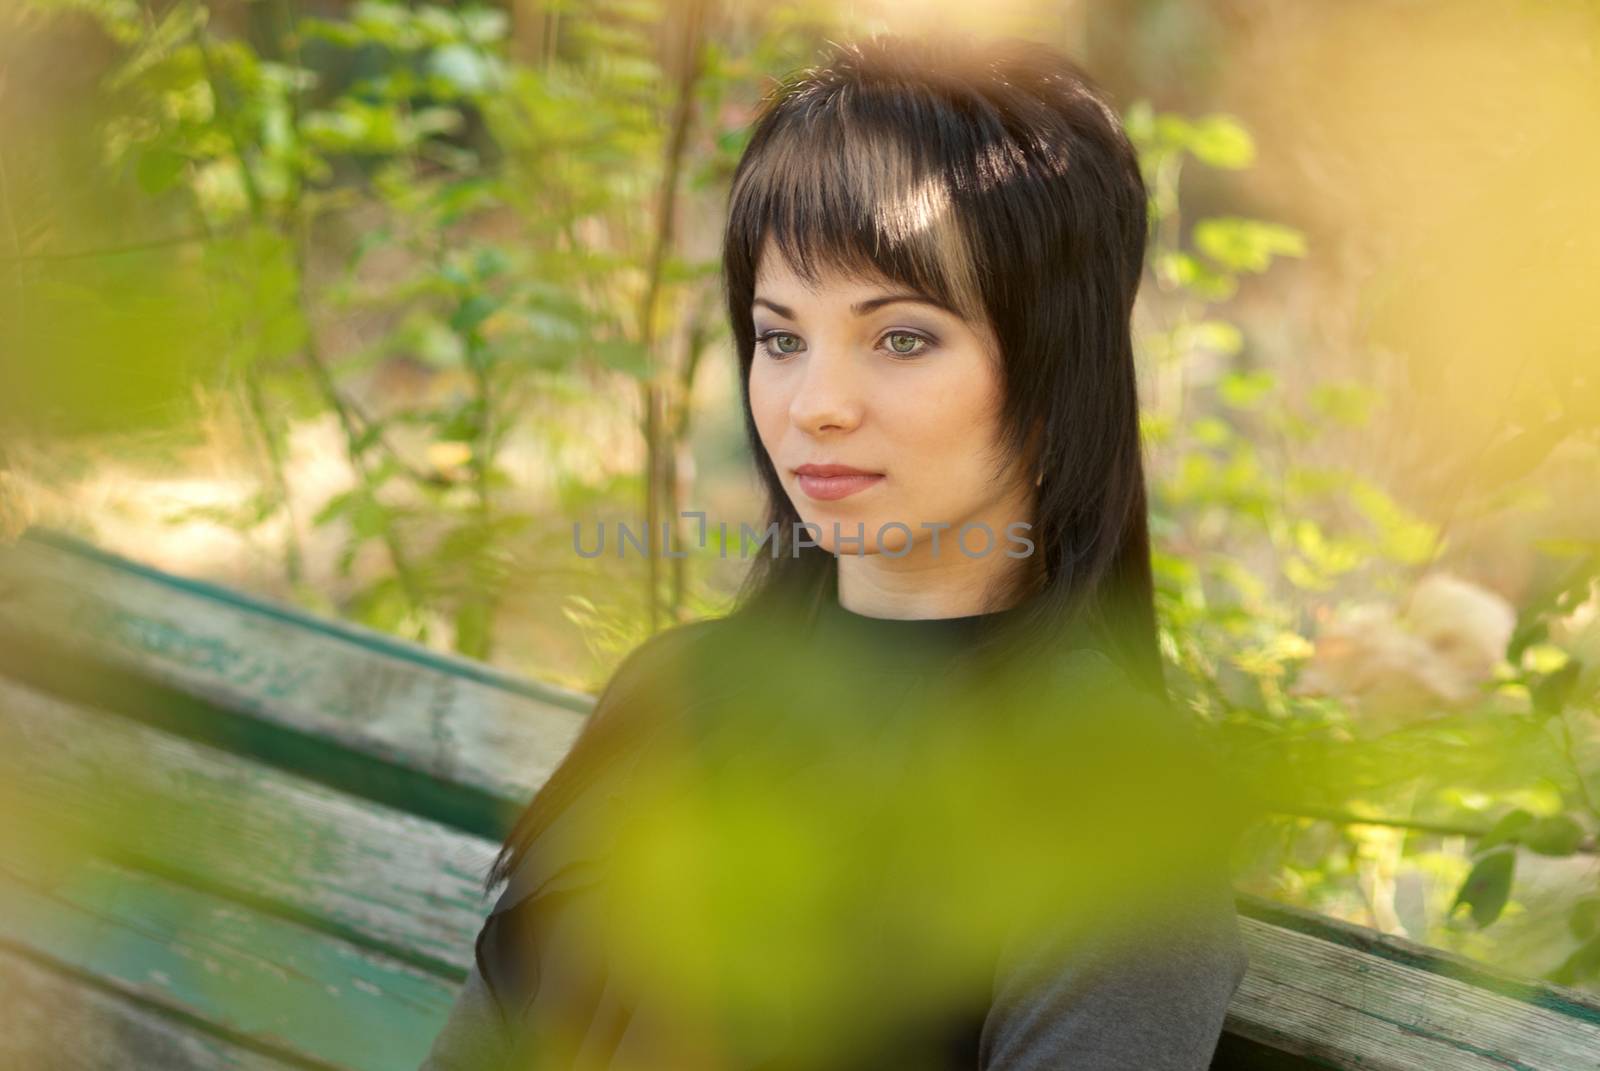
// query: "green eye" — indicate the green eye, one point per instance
point(904, 344)
point(767, 340)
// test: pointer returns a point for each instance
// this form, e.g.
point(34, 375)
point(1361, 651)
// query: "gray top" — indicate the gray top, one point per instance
point(1151, 995)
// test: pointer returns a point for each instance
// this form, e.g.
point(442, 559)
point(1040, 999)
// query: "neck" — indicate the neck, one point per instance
point(950, 585)
point(927, 643)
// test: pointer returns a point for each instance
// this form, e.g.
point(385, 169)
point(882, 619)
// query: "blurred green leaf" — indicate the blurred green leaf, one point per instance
point(1218, 336)
point(1403, 537)
point(1551, 692)
point(1246, 390)
point(1584, 919)
point(1488, 886)
point(1556, 834)
point(1581, 965)
point(473, 311)
point(1221, 141)
point(462, 67)
point(1246, 244)
point(1348, 404)
point(1185, 270)
point(1505, 831)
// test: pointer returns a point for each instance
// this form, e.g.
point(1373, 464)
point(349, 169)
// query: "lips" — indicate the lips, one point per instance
point(828, 483)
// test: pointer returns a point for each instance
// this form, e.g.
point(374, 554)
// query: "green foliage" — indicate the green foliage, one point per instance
point(1488, 887)
point(416, 117)
point(1255, 543)
point(1246, 245)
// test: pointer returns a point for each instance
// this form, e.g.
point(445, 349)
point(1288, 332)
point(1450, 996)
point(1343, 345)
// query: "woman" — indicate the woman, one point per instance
point(931, 258)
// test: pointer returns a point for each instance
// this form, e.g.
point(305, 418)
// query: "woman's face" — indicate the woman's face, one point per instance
point(865, 374)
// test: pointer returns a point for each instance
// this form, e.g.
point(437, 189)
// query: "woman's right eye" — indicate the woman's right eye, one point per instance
point(767, 340)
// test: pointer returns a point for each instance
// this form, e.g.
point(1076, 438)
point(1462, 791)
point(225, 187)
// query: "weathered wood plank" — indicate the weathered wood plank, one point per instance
point(452, 719)
point(401, 883)
point(1351, 998)
point(51, 1019)
point(280, 986)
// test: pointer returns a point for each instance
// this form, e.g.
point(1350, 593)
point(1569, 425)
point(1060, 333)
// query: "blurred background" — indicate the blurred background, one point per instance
point(361, 307)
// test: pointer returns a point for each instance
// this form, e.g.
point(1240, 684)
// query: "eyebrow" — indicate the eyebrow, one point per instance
point(861, 308)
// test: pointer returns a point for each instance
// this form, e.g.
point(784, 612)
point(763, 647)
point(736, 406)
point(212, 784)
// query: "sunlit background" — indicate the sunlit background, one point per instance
point(361, 307)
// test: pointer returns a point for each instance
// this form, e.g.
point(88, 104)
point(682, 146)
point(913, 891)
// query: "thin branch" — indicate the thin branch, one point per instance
point(111, 251)
point(1572, 761)
point(657, 465)
point(224, 105)
point(1589, 845)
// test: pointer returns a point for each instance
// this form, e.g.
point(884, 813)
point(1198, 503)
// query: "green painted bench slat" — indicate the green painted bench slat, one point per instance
point(52, 1019)
point(397, 882)
point(458, 722)
point(290, 990)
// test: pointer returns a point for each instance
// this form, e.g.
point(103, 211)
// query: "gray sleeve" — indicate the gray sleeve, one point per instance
point(475, 1036)
point(1155, 1001)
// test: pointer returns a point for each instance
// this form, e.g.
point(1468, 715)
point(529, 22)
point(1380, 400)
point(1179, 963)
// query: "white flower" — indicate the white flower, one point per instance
point(1395, 668)
point(1466, 626)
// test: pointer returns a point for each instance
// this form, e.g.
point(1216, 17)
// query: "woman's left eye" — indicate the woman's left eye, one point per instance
point(905, 344)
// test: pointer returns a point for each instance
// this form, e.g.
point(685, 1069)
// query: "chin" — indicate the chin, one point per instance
point(894, 540)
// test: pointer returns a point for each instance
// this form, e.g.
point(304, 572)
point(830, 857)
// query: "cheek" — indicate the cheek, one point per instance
point(768, 404)
point(943, 432)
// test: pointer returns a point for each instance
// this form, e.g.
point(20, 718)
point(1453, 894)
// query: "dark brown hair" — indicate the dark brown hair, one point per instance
point(998, 179)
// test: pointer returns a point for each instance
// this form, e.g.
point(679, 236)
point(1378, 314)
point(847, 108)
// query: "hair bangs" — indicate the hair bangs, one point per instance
point(854, 194)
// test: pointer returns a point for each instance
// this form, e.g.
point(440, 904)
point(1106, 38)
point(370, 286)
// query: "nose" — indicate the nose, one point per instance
point(828, 395)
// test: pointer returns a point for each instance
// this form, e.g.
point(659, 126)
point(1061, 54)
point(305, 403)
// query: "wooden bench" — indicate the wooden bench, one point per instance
point(238, 836)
